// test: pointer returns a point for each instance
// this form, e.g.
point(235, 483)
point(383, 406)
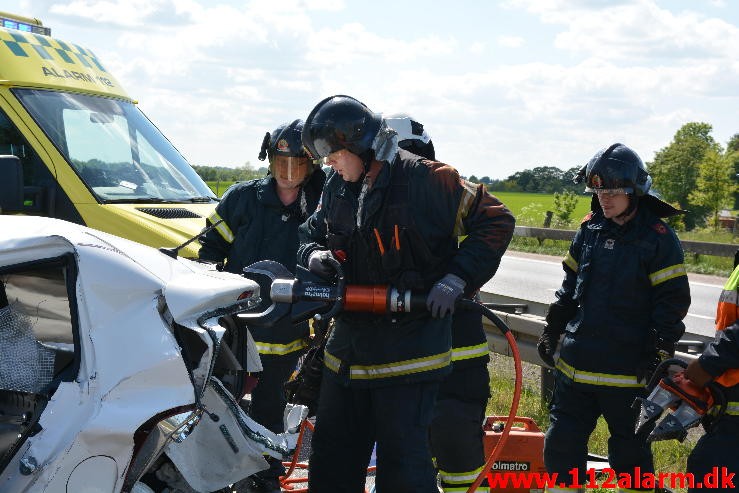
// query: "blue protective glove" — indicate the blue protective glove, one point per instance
point(444, 295)
point(317, 264)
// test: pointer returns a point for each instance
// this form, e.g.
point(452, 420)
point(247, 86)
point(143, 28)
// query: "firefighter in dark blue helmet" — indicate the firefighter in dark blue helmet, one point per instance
point(620, 307)
point(456, 429)
point(260, 222)
point(392, 218)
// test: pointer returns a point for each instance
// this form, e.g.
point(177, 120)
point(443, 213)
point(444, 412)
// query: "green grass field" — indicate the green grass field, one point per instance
point(530, 210)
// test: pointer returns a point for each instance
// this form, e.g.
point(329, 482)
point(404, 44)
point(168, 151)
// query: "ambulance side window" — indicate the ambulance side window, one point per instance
point(12, 143)
point(42, 194)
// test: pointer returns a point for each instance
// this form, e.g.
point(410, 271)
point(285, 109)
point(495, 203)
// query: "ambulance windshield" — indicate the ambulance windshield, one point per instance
point(119, 154)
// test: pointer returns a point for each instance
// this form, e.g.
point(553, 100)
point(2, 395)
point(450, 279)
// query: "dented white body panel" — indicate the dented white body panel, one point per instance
point(131, 367)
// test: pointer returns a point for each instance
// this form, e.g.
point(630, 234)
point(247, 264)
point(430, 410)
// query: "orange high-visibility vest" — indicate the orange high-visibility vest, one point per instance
point(726, 314)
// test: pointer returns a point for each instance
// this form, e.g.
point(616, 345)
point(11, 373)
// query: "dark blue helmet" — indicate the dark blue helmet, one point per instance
point(617, 168)
point(284, 141)
point(340, 122)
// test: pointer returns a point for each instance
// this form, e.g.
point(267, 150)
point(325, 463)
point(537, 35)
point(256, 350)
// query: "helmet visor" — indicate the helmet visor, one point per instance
point(609, 191)
point(289, 168)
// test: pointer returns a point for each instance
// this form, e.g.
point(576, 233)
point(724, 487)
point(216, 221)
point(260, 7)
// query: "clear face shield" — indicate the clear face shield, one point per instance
point(288, 170)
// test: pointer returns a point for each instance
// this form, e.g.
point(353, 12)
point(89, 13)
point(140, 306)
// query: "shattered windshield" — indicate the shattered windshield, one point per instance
point(119, 154)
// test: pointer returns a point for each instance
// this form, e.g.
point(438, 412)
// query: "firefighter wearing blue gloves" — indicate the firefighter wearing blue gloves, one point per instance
point(620, 307)
point(392, 218)
point(260, 222)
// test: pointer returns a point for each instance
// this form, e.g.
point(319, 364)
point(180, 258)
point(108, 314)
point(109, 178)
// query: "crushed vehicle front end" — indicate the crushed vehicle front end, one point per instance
point(111, 357)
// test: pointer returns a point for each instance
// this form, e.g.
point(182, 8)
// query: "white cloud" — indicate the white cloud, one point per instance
point(636, 30)
point(353, 42)
point(217, 75)
point(510, 41)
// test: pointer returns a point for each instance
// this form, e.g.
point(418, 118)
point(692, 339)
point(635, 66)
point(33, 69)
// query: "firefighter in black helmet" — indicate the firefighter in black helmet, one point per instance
point(260, 222)
point(456, 429)
point(392, 218)
point(620, 308)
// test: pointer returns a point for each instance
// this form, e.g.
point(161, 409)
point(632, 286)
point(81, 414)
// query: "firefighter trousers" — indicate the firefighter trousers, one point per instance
point(573, 414)
point(714, 451)
point(456, 430)
point(348, 423)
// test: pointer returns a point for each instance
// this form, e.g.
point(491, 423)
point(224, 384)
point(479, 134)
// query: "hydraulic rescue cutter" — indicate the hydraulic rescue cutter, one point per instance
point(687, 403)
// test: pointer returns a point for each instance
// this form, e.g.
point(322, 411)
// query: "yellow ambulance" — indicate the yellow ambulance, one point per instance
point(74, 146)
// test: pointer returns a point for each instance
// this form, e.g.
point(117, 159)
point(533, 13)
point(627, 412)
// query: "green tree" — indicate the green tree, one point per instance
point(732, 152)
point(564, 206)
point(715, 185)
point(675, 168)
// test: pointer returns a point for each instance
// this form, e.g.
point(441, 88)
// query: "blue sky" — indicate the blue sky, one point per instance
point(501, 86)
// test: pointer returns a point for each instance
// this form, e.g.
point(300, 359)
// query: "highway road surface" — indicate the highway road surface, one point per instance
point(536, 277)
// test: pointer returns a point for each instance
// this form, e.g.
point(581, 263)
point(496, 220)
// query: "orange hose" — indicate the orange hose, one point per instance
point(511, 415)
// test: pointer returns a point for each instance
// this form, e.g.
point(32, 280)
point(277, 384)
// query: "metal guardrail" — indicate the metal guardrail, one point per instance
point(696, 247)
point(528, 325)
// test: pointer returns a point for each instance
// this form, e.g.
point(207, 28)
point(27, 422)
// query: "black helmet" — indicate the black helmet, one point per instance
point(284, 141)
point(617, 168)
point(340, 122)
point(411, 135)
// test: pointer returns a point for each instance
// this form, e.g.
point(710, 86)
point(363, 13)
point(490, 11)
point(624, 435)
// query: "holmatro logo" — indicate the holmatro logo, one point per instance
point(512, 465)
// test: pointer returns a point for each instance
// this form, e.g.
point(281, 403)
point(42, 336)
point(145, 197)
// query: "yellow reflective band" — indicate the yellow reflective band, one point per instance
point(455, 489)
point(592, 378)
point(468, 195)
point(570, 262)
point(469, 352)
point(733, 281)
point(407, 367)
point(222, 228)
point(459, 477)
point(732, 408)
point(667, 273)
point(630, 490)
point(280, 349)
point(332, 362)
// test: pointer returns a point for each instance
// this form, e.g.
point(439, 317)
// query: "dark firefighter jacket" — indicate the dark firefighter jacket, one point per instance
point(403, 232)
point(628, 288)
point(257, 226)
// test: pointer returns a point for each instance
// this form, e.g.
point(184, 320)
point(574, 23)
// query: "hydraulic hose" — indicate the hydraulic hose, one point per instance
point(466, 304)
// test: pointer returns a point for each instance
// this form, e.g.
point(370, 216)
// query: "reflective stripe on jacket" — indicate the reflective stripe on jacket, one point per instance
point(629, 286)
point(403, 229)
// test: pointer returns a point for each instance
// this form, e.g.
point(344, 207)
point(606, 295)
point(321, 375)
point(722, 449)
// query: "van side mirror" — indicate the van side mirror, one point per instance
point(11, 184)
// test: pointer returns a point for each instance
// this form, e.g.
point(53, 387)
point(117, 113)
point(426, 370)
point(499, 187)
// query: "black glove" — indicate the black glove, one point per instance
point(319, 265)
point(444, 295)
point(547, 345)
point(557, 317)
point(663, 350)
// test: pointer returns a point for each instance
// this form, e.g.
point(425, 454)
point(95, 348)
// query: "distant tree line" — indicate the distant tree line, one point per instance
point(542, 179)
point(693, 172)
point(226, 174)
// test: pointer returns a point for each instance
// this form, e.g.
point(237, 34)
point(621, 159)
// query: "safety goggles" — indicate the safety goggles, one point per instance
point(610, 192)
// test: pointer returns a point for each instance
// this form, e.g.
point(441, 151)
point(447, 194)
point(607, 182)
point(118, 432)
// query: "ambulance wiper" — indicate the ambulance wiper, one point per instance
point(144, 200)
point(204, 200)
